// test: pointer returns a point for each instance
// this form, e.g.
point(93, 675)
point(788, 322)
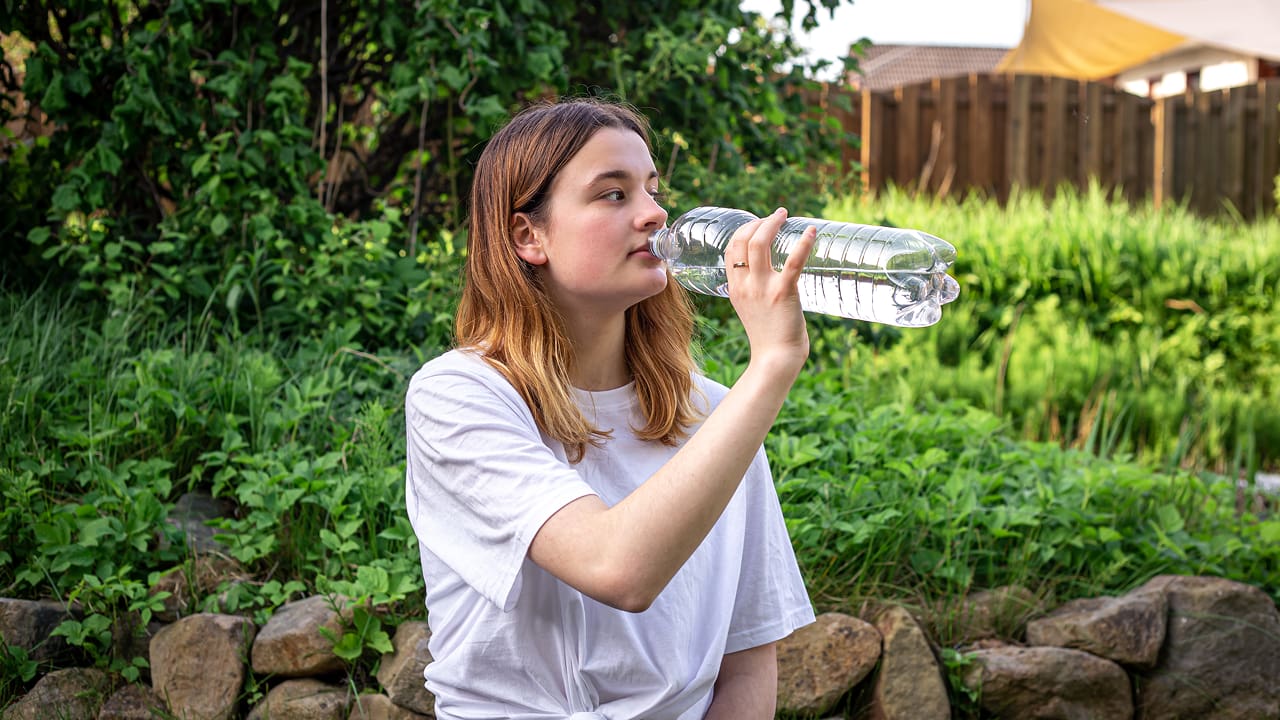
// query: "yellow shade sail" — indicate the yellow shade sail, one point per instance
point(1079, 39)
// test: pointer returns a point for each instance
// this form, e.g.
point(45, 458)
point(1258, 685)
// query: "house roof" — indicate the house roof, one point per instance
point(883, 67)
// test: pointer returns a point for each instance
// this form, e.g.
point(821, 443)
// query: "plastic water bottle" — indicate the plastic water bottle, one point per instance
point(884, 275)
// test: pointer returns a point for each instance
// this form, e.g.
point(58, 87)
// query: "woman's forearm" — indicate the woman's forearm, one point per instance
point(626, 554)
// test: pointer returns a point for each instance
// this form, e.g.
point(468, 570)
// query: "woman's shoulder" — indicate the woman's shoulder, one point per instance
point(459, 367)
point(457, 360)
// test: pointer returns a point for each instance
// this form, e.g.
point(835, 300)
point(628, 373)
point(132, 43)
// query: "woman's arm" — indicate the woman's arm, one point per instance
point(625, 555)
point(747, 687)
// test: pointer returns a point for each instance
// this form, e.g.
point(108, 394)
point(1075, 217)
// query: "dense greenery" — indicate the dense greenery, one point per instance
point(239, 155)
point(894, 486)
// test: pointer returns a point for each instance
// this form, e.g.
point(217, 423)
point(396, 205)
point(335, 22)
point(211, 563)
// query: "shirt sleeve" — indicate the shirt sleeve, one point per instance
point(771, 602)
point(480, 480)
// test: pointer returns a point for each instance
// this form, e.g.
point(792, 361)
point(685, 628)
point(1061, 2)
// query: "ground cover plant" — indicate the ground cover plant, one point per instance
point(892, 488)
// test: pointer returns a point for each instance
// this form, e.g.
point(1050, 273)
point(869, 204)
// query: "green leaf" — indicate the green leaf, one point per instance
point(219, 225)
point(201, 164)
point(55, 99)
point(1269, 532)
point(92, 532)
point(38, 235)
point(348, 647)
point(66, 198)
point(77, 81)
point(1169, 519)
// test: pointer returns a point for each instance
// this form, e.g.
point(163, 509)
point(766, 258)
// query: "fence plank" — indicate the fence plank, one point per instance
point(1055, 136)
point(909, 160)
point(1133, 132)
point(946, 93)
point(1093, 121)
point(982, 173)
point(1018, 154)
point(1233, 144)
point(1268, 143)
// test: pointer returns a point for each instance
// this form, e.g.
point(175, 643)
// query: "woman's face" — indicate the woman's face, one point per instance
point(593, 249)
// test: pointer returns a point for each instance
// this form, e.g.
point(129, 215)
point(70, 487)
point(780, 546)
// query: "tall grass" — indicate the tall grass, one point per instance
point(1092, 323)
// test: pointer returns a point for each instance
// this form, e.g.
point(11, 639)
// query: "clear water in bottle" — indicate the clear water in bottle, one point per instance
point(893, 276)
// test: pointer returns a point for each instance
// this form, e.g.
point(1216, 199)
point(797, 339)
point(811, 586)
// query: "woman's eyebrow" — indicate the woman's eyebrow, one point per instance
point(618, 174)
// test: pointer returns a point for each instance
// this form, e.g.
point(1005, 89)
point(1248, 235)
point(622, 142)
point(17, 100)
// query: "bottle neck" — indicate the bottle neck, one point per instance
point(663, 244)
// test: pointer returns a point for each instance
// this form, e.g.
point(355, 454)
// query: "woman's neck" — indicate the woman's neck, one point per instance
point(600, 361)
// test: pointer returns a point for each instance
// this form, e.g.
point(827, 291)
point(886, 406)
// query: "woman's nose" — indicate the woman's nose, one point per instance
point(654, 215)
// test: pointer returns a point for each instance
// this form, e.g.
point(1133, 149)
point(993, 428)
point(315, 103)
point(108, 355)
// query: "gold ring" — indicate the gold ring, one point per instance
point(739, 264)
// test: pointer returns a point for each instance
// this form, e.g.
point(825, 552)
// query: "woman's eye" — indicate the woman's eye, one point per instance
point(614, 195)
point(658, 196)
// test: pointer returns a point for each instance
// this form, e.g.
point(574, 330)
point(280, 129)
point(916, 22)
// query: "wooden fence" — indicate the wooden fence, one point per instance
point(992, 132)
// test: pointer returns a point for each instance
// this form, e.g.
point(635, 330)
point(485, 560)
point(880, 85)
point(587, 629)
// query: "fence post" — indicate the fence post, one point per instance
point(1162, 174)
point(872, 144)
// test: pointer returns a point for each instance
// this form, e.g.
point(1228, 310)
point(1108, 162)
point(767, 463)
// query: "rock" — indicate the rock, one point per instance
point(1128, 629)
point(997, 613)
point(1048, 683)
point(70, 694)
point(820, 663)
point(27, 624)
point(1221, 654)
point(291, 645)
point(192, 514)
point(400, 672)
point(305, 699)
point(197, 664)
point(909, 684)
point(133, 702)
point(380, 707)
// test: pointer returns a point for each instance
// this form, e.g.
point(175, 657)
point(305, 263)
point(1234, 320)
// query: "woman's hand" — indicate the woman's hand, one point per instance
point(766, 300)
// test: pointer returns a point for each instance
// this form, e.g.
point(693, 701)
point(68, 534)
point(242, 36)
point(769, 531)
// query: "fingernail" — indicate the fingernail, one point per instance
point(775, 212)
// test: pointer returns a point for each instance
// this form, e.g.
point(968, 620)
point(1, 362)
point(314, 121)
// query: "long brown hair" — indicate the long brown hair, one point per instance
point(505, 313)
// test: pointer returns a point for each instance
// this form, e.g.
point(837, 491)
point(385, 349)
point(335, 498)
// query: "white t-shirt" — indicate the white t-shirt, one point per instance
point(509, 640)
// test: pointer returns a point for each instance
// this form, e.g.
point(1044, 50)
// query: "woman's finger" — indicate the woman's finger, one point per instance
point(799, 254)
point(760, 245)
point(735, 253)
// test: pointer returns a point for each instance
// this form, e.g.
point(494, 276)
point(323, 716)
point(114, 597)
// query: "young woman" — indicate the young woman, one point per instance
point(599, 530)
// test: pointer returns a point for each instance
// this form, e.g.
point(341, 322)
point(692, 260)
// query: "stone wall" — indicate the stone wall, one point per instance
point(1178, 647)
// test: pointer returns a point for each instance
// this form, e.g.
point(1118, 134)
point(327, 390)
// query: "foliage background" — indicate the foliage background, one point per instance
point(284, 163)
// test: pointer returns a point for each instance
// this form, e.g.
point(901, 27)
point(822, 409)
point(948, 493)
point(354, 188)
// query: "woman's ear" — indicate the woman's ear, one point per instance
point(527, 239)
